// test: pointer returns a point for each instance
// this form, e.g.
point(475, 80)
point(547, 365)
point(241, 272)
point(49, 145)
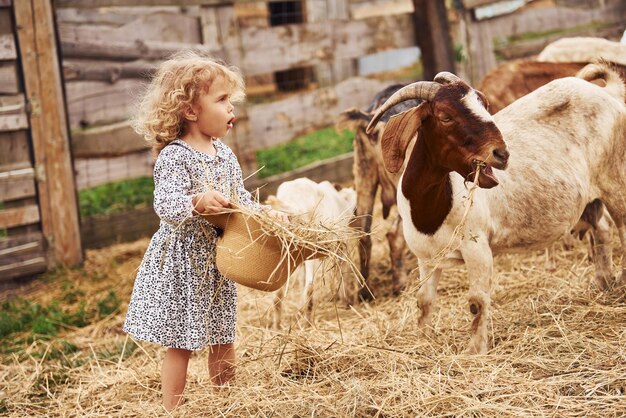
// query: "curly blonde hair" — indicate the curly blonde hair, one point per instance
point(177, 84)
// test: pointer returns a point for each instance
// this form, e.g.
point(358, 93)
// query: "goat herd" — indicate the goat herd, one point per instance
point(551, 156)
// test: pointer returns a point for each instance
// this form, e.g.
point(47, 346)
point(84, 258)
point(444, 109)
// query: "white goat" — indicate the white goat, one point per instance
point(567, 144)
point(583, 49)
point(312, 202)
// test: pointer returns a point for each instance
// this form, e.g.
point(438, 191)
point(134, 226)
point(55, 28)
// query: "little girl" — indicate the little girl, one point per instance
point(180, 300)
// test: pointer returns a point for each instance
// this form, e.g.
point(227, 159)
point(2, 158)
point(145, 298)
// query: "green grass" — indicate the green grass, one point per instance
point(116, 197)
point(316, 146)
point(34, 321)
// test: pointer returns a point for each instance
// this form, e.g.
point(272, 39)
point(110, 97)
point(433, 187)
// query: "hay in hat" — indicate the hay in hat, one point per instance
point(261, 251)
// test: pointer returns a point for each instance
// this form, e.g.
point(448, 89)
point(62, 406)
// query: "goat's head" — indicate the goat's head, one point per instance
point(454, 124)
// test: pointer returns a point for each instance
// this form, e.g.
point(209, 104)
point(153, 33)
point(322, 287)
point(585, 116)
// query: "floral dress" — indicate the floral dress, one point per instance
point(180, 299)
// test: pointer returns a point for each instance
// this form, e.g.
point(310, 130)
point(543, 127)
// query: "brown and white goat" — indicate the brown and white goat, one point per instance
point(369, 175)
point(312, 202)
point(567, 145)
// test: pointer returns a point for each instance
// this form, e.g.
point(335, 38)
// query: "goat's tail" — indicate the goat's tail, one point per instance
point(352, 119)
point(603, 74)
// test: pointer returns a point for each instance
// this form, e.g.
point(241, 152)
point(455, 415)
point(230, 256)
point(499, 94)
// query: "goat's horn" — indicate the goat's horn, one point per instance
point(445, 77)
point(424, 90)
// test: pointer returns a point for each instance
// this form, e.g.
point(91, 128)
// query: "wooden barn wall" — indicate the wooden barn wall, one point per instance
point(107, 54)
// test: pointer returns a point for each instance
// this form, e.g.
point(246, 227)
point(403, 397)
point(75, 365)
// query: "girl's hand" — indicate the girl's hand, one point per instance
point(210, 202)
point(278, 215)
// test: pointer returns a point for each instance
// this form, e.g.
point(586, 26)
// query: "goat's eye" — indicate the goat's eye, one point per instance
point(445, 118)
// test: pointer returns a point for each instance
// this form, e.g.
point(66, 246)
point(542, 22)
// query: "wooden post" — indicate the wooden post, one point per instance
point(53, 165)
point(433, 36)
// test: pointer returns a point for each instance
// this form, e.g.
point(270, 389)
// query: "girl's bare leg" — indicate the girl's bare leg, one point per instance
point(174, 376)
point(221, 363)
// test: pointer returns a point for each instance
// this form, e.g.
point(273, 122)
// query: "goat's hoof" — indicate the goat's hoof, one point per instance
point(474, 309)
point(365, 295)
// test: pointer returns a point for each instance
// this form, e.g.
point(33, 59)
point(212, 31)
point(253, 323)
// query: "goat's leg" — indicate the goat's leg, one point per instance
point(310, 266)
point(479, 261)
point(600, 241)
point(618, 214)
point(397, 244)
point(427, 295)
point(366, 193)
point(621, 230)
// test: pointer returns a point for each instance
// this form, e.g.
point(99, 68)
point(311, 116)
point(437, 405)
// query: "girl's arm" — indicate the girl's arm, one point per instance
point(172, 186)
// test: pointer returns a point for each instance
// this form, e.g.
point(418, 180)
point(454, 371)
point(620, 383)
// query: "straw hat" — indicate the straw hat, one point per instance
point(249, 255)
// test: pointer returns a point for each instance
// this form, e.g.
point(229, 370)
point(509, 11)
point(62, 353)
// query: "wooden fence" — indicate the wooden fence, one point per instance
point(38, 212)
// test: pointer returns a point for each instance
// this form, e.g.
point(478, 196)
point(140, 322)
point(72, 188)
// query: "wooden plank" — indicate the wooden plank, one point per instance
point(253, 14)
point(280, 121)
point(16, 174)
point(99, 103)
point(93, 172)
point(25, 215)
point(127, 51)
point(23, 268)
point(7, 243)
point(21, 247)
point(107, 141)
point(112, 3)
point(13, 113)
point(17, 189)
point(471, 4)
point(15, 150)
point(374, 8)
point(282, 47)
point(7, 47)
point(112, 16)
point(102, 230)
point(57, 193)
point(92, 70)
point(170, 26)
point(9, 82)
point(17, 183)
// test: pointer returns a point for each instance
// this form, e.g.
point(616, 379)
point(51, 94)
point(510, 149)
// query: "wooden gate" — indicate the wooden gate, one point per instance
point(38, 208)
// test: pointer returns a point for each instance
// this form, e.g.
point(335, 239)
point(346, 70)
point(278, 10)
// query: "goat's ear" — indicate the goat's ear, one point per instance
point(483, 98)
point(399, 131)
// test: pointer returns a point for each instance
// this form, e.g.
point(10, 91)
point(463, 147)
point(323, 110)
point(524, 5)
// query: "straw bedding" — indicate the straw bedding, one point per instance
point(559, 349)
